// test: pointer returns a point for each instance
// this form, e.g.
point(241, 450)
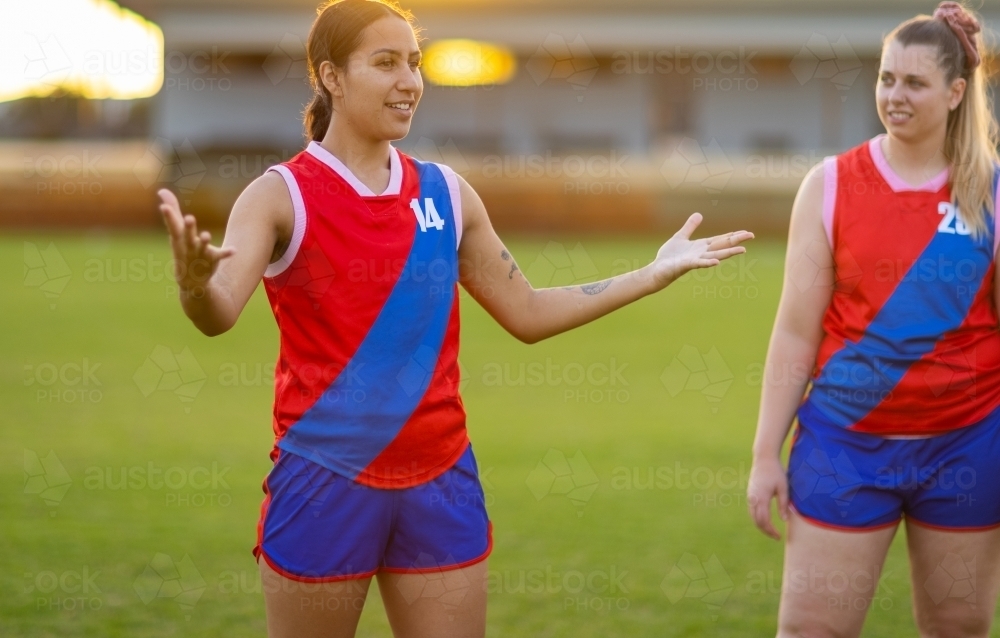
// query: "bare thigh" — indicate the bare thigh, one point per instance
point(956, 579)
point(449, 604)
point(311, 610)
point(829, 579)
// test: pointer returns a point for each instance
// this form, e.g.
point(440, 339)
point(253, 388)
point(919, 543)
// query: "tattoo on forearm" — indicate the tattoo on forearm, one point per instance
point(513, 268)
point(595, 288)
point(505, 255)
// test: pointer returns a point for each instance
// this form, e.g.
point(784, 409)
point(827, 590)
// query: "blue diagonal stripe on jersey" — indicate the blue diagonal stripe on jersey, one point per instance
point(393, 365)
point(933, 299)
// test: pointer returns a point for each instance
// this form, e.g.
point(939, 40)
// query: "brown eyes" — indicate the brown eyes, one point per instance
point(388, 64)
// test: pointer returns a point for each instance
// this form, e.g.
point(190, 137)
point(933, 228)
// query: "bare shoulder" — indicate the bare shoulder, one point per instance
point(473, 210)
point(267, 191)
point(266, 200)
point(809, 200)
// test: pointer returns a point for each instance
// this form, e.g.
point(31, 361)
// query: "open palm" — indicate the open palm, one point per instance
point(681, 253)
point(195, 258)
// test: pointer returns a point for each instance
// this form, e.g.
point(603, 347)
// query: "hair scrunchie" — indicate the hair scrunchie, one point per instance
point(965, 27)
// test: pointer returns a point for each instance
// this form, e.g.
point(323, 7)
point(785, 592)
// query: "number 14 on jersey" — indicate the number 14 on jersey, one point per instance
point(428, 216)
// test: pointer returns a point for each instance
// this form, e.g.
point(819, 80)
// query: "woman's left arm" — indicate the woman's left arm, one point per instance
point(489, 273)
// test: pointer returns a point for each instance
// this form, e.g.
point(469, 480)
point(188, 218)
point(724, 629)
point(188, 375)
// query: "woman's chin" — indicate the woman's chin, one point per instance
point(900, 130)
point(394, 132)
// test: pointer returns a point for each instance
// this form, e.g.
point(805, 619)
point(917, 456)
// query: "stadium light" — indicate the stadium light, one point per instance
point(91, 48)
point(468, 63)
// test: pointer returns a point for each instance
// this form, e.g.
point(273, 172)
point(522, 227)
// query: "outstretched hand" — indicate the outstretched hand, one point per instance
point(195, 258)
point(681, 253)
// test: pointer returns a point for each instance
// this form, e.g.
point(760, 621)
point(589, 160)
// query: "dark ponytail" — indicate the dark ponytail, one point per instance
point(317, 115)
point(336, 33)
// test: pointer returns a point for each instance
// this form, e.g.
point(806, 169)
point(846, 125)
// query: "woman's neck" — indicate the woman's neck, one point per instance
point(916, 161)
point(367, 159)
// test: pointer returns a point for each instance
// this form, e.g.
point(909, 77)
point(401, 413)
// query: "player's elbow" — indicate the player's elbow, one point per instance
point(212, 328)
point(525, 325)
point(525, 334)
point(213, 331)
point(529, 339)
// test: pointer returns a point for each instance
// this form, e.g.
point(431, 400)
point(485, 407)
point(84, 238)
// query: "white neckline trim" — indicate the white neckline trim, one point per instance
point(897, 183)
point(338, 167)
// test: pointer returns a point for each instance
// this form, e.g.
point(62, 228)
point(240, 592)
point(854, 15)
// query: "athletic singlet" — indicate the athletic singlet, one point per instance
point(911, 343)
point(365, 297)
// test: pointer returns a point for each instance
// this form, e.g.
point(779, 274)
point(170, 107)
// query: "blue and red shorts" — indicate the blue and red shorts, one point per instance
point(319, 526)
point(856, 481)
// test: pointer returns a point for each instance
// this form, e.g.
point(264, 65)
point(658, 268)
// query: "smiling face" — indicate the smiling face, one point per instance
point(913, 95)
point(380, 87)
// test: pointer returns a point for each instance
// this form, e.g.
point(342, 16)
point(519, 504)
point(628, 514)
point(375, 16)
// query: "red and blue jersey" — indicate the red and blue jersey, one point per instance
point(365, 297)
point(911, 343)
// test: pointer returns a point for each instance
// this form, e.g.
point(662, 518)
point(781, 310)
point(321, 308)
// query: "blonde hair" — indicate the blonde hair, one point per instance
point(971, 138)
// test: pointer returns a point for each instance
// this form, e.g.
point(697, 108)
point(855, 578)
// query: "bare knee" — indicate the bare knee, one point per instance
point(810, 629)
point(954, 622)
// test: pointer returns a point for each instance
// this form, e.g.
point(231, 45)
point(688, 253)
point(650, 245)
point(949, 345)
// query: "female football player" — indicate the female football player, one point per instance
point(889, 311)
point(360, 249)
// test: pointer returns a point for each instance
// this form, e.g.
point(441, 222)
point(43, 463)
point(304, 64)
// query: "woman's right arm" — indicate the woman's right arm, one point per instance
point(214, 284)
point(791, 355)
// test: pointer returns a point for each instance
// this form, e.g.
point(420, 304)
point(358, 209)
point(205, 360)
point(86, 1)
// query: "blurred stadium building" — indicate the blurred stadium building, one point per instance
point(600, 116)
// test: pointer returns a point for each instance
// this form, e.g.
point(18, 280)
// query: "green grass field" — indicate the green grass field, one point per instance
point(617, 498)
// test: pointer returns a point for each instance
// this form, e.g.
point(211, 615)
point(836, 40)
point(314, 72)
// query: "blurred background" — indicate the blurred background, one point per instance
point(615, 458)
point(565, 115)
